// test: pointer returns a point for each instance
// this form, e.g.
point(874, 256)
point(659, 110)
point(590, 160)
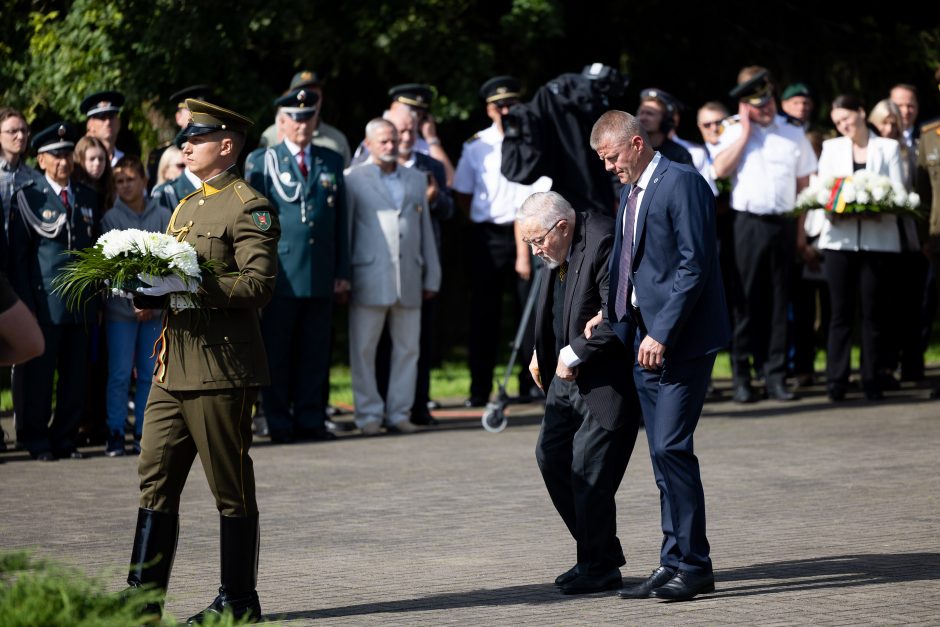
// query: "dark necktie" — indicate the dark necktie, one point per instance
point(64, 195)
point(562, 272)
point(302, 163)
point(626, 254)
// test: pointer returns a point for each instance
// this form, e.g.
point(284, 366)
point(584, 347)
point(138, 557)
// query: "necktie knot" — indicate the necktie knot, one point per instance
point(302, 163)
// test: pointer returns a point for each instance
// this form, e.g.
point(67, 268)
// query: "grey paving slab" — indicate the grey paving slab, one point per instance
point(817, 513)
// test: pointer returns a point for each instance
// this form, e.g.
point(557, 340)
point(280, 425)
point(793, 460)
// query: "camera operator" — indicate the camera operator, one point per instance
point(497, 254)
point(550, 136)
point(657, 117)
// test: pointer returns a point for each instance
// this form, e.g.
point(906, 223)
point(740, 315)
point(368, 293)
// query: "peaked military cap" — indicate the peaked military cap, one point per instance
point(756, 91)
point(196, 92)
point(304, 78)
point(794, 90)
point(102, 102)
point(500, 88)
point(300, 104)
point(60, 137)
point(209, 118)
point(416, 95)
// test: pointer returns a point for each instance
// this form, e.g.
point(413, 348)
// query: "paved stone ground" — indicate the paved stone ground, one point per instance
point(818, 514)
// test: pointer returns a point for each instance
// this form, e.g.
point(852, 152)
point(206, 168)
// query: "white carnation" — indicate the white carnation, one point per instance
point(913, 200)
point(183, 256)
point(822, 197)
point(863, 196)
point(849, 191)
point(879, 192)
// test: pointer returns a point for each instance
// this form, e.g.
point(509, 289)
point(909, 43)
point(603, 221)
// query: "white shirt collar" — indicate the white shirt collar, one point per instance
point(195, 180)
point(644, 180)
point(294, 149)
point(58, 188)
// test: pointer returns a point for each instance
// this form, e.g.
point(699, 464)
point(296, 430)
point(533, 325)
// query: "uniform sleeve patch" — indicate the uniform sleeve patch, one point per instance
point(262, 219)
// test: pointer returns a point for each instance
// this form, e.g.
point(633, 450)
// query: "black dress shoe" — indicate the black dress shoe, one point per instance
point(744, 394)
point(685, 586)
point(935, 393)
point(43, 456)
point(835, 391)
point(642, 590)
point(779, 392)
point(872, 390)
point(475, 401)
point(567, 577)
point(586, 584)
point(423, 418)
point(315, 434)
point(70, 454)
point(281, 438)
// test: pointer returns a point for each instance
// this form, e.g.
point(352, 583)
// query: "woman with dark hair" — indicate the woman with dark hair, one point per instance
point(860, 251)
point(94, 170)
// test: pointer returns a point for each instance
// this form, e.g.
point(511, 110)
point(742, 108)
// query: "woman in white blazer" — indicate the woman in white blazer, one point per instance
point(858, 250)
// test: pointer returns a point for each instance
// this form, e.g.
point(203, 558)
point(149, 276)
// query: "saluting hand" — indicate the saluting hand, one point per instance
point(650, 355)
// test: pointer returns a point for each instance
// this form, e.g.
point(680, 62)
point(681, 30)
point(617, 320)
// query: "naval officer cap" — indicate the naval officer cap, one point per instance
point(102, 103)
point(756, 91)
point(300, 104)
point(196, 92)
point(209, 118)
point(304, 78)
point(58, 139)
point(415, 95)
point(501, 88)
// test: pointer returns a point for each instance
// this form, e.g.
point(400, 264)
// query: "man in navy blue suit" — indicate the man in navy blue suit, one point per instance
point(667, 298)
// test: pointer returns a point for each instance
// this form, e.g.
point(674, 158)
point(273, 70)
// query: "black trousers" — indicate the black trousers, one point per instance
point(808, 297)
point(908, 272)
point(296, 333)
point(67, 352)
point(491, 263)
point(763, 252)
point(857, 278)
point(582, 465)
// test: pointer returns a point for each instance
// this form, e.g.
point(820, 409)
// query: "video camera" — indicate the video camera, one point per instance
point(550, 136)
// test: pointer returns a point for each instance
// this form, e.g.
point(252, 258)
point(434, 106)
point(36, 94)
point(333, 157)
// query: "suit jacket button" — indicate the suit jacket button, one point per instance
point(311, 240)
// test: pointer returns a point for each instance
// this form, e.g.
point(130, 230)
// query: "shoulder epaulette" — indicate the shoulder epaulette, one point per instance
point(245, 192)
point(475, 137)
point(930, 125)
point(792, 120)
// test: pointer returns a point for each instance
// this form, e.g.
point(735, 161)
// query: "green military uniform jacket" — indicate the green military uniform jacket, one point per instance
point(218, 345)
point(928, 177)
point(314, 245)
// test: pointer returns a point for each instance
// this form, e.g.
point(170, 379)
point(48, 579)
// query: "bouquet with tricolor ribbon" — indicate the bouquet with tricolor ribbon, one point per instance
point(131, 261)
point(863, 193)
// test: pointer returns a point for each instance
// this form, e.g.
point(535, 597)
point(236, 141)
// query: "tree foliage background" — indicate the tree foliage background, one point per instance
point(53, 53)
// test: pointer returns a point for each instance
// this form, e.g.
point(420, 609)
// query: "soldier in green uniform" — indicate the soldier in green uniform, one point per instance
point(928, 186)
point(210, 364)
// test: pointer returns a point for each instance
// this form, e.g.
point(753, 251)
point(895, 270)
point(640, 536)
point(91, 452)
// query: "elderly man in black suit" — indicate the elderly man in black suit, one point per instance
point(591, 409)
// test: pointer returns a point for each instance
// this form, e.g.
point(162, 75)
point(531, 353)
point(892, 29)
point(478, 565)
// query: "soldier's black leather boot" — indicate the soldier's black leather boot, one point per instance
point(240, 542)
point(152, 556)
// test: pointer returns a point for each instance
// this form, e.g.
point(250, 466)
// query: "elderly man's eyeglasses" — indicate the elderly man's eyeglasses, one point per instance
point(540, 241)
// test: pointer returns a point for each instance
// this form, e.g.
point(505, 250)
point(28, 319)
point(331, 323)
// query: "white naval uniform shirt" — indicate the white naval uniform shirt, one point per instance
point(774, 157)
point(495, 198)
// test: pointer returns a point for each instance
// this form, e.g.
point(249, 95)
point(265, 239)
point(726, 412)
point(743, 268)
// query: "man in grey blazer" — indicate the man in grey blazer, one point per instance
point(394, 268)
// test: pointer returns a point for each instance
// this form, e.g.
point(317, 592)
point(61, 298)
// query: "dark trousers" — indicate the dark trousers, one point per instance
point(671, 399)
point(856, 277)
point(763, 252)
point(809, 298)
point(296, 334)
point(491, 264)
point(216, 425)
point(67, 352)
point(383, 357)
point(582, 464)
point(908, 272)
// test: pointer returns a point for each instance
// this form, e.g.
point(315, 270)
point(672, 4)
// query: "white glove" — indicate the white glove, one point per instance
point(118, 292)
point(160, 286)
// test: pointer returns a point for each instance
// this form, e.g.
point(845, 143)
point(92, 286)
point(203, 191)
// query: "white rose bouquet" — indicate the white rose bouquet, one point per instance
point(863, 193)
point(131, 260)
